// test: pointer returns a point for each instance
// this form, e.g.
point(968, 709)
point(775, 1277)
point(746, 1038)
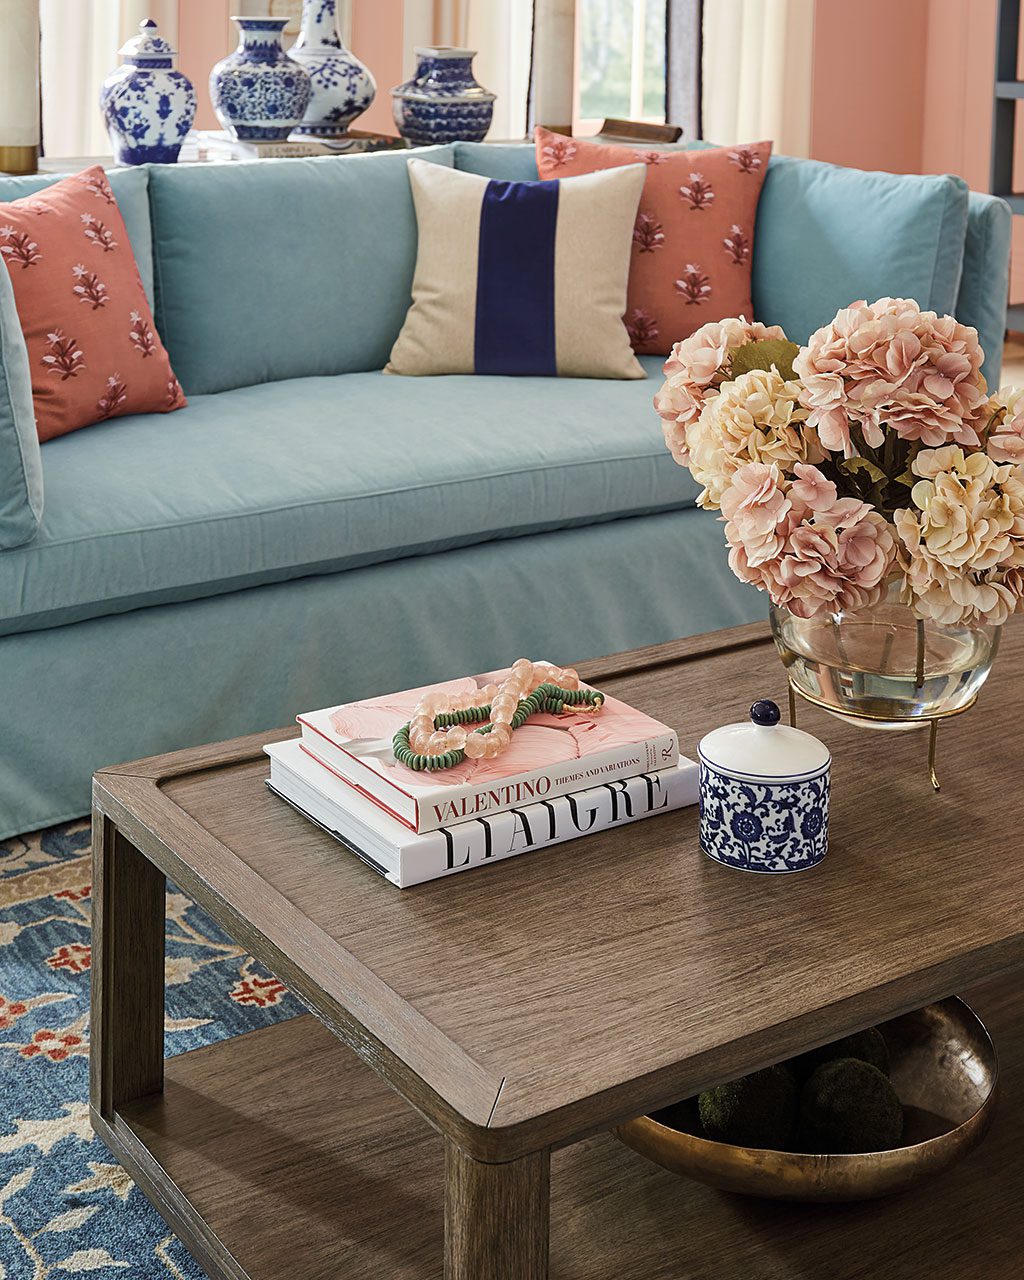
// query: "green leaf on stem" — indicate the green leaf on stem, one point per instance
point(854, 465)
point(765, 354)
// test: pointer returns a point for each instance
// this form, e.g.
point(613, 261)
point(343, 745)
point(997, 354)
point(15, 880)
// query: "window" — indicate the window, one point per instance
point(621, 61)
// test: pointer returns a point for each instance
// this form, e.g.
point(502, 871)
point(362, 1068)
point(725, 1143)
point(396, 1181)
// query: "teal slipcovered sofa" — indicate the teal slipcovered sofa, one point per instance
point(309, 530)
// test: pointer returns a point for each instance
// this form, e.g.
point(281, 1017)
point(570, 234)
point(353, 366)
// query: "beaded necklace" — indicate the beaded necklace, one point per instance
point(441, 733)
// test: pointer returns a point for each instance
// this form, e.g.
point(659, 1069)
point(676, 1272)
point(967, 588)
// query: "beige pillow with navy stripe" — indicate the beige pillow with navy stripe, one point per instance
point(520, 277)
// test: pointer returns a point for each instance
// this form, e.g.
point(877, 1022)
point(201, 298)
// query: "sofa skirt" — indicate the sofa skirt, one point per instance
point(80, 697)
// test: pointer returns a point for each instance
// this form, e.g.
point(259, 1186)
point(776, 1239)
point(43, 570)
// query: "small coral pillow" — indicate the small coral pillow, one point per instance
point(694, 232)
point(92, 347)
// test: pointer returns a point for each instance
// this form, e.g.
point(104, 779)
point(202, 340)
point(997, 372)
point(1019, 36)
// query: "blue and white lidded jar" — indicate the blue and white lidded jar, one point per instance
point(147, 104)
point(443, 101)
point(764, 791)
point(259, 93)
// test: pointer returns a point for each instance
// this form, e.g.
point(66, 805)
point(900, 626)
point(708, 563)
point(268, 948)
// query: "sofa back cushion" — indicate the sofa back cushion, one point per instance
point(826, 236)
point(513, 161)
point(278, 269)
point(985, 282)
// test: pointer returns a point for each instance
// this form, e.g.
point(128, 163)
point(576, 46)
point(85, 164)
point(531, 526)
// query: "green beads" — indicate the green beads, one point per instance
point(547, 698)
point(468, 715)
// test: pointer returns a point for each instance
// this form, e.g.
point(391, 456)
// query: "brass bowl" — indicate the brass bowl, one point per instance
point(943, 1067)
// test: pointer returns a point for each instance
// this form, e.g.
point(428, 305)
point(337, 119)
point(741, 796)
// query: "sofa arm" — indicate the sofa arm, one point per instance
point(985, 283)
point(21, 466)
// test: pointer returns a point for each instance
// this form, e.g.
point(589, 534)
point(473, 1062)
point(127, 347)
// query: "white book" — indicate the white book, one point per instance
point(221, 146)
point(405, 858)
point(224, 147)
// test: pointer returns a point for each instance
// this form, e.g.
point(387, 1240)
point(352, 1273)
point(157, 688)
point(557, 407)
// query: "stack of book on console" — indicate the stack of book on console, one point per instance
point(213, 144)
point(561, 777)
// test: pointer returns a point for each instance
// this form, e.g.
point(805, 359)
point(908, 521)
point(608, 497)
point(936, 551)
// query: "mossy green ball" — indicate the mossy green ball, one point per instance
point(757, 1111)
point(868, 1046)
point(848, 1106)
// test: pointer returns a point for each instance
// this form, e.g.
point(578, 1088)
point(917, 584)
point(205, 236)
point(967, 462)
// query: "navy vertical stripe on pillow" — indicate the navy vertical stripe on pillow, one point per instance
point(515, 291)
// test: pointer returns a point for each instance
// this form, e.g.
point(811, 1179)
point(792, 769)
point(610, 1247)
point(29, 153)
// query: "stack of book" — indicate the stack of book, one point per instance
point(213, 144)
point(562, 777)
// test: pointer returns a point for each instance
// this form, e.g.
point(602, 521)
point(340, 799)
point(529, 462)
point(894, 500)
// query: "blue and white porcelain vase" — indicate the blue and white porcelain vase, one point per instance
point(259, 93)
point(442, 102)
point(147, 104)
point(342, 86)
point(764, 792)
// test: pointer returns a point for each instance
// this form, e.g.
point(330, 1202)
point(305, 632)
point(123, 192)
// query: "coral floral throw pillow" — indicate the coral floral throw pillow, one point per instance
point(93, 350)
point(694, 232)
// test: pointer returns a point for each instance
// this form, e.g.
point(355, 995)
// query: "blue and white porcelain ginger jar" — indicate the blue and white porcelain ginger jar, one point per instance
point(342, 86)
point(764, 792)
point(442, 102)
point(259, 93)
point(147, 104)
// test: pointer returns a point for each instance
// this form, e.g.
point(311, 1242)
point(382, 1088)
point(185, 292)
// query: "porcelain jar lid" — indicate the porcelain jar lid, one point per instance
point(762, 749)
point(149, 43)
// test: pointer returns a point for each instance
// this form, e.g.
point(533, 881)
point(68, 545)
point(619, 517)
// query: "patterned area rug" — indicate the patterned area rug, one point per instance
point(65, 1207)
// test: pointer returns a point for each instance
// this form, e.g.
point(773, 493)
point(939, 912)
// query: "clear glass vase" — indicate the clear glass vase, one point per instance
point(882, 666)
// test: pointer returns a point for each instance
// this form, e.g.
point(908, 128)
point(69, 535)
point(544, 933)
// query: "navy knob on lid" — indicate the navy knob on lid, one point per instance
point(765, 712)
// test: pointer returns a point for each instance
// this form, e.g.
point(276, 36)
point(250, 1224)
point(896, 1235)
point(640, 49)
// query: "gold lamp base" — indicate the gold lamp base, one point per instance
point(19, 160)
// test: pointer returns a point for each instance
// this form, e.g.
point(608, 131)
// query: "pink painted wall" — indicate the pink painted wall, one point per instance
point(204, 37)
point(957, 106)
point(868, 82)
point(378, 37)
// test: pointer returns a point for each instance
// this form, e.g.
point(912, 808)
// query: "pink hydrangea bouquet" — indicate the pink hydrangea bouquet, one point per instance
point(872, 456)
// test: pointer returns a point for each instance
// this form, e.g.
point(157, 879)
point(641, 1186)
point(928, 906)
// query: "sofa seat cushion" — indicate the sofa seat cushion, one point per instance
point(314, 475)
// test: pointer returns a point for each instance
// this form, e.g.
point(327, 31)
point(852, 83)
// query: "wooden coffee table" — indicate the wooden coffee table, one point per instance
point(483, 1033)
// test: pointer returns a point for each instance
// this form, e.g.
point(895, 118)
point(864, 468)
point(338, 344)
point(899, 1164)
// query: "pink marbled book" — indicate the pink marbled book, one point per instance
point(549, 756)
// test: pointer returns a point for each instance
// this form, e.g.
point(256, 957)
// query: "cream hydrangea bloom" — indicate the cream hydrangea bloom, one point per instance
point(755, 418)
point(963, 539)
point(696, 368)
point(953, 597)
point(971, 508)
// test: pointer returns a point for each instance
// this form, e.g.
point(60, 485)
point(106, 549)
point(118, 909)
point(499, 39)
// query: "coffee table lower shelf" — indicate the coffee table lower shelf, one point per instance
point(279, 1154)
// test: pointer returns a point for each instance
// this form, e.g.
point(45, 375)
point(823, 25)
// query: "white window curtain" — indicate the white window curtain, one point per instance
point(756, 77)
point(501, 31)
point(80, 40)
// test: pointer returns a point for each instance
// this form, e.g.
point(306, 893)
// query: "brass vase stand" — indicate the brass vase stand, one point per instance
point(868, 717)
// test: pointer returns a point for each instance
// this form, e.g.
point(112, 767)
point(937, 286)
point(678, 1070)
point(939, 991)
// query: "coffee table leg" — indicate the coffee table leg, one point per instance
point(127, 1008)
point(496, 1217)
